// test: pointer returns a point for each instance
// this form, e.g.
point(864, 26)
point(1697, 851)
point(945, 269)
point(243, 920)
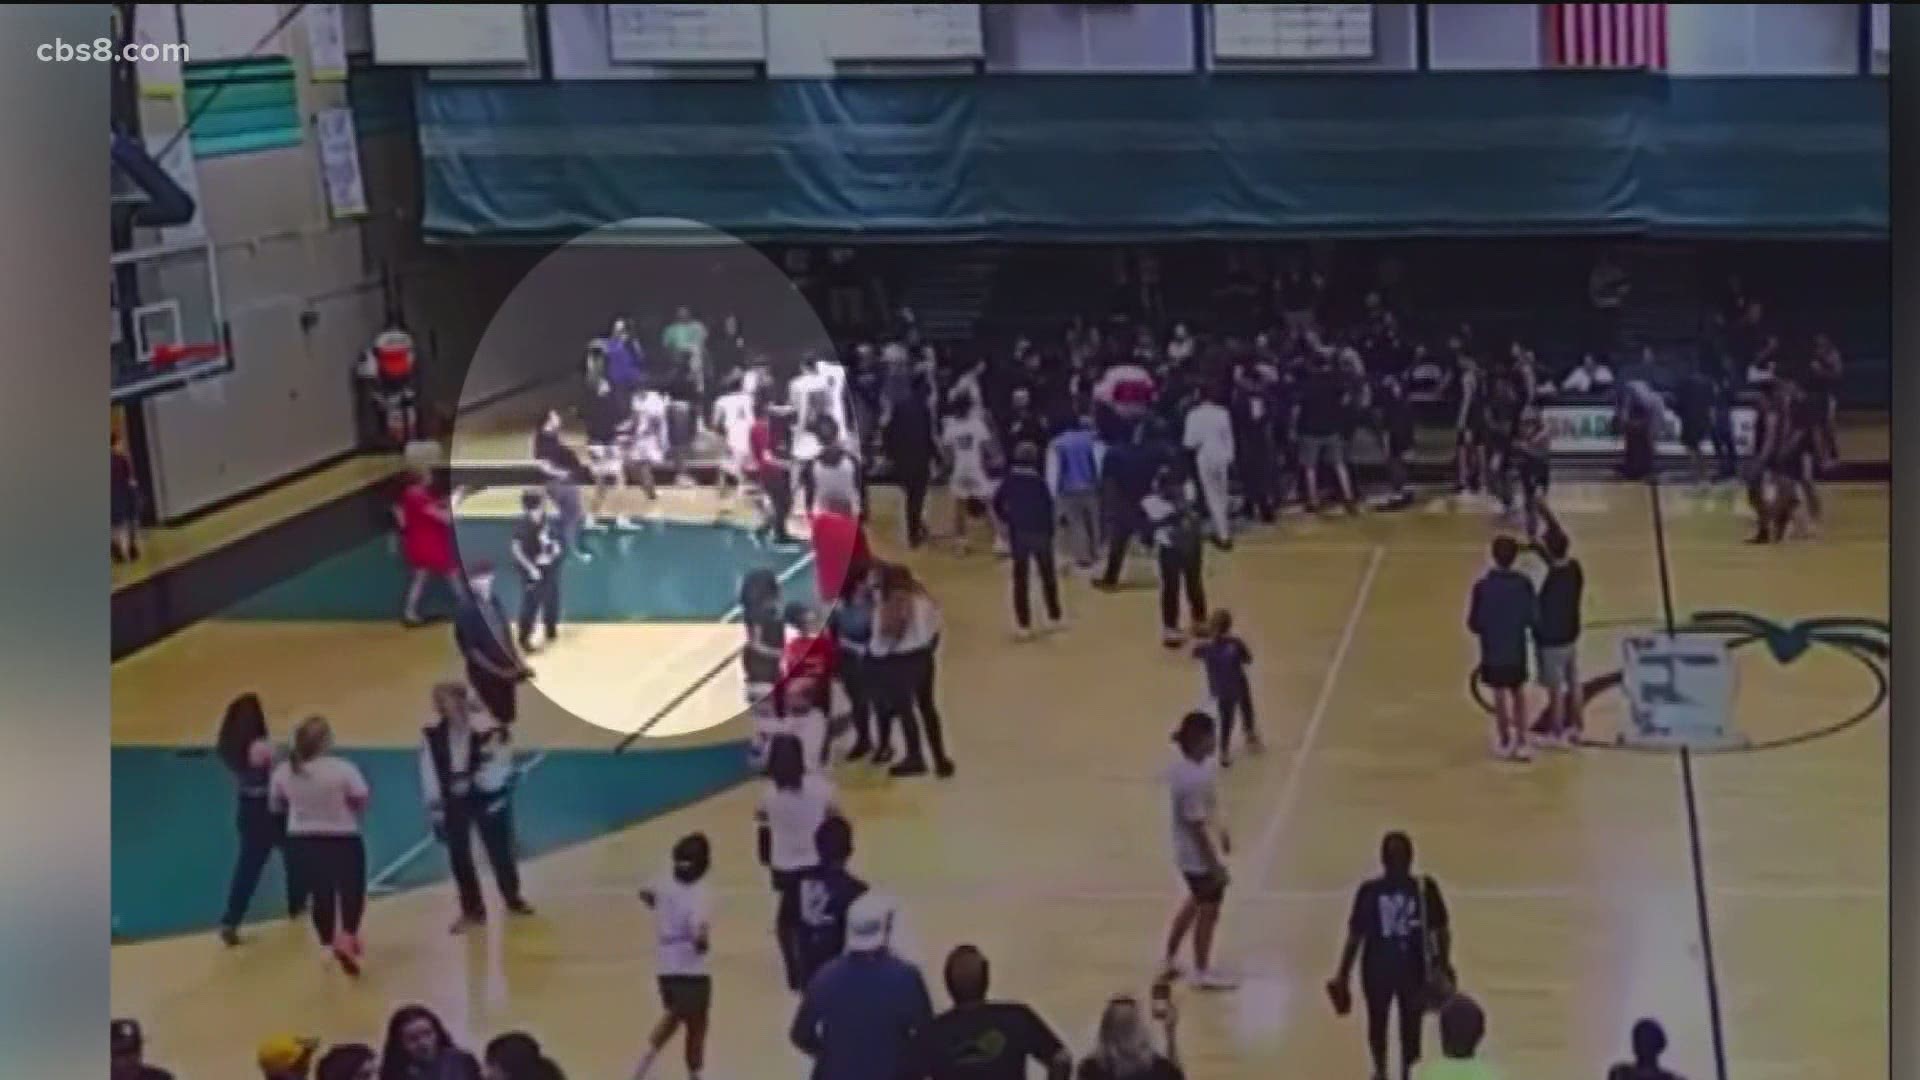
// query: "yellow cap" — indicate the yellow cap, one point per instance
point(285, 1053)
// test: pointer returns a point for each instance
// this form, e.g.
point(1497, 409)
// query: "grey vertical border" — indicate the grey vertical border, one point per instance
point(54, 800)
point(1903, 747)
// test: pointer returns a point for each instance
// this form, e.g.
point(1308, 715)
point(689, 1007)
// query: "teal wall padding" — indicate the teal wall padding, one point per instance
point(242, 106)
point(1163, 157)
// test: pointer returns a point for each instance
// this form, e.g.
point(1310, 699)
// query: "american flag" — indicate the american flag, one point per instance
point(1607, 35)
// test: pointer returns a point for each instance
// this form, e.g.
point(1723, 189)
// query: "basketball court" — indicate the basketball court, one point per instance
point(1580, 886)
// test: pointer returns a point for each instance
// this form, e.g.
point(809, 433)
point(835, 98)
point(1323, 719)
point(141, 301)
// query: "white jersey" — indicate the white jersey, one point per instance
point(733, 416)
point(841, 479)
point(814, 395)
point(650, 427)
point(965, 439)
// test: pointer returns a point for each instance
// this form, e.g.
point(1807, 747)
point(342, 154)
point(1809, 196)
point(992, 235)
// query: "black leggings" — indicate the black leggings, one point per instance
point(1177, 569)
point(261, 831)
point(334, 868)
point(463, 819)
point(1382, 994)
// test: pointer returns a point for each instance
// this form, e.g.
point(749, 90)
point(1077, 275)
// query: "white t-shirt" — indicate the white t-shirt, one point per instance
point(792, 817)
point(965, 439)
point(1209, 433)
point(834, 375)
point(317, 797)
point(1192, 800)
point(682, 914)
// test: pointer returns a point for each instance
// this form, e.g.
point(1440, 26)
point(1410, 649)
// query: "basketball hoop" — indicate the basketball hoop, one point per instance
point(169, 354)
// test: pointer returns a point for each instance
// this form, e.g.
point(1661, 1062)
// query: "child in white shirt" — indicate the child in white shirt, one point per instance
point(682, 917)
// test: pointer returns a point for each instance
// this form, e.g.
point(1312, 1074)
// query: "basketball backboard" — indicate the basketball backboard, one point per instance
point(166, 328)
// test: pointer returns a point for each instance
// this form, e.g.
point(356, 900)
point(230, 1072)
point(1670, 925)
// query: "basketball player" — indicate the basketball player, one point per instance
point(773, 472)
point(1531, 452)
point(608, 417)
point(682, 922)
point(1808, 414)
point(813, 398)
point(1469, 422)
point(733, 420)
point(1200, 844)
point(967, 442)
point(834, 470)
point(1776, 463)
point(648, 450)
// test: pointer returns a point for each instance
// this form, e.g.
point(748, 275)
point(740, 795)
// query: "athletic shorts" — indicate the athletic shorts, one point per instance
point(603, 460)
point(1206, 888)
point(970, 485)
point(1504, 676)
point(1559, 666)
point(686, 997)
point(647, 452)
point(1317, 450)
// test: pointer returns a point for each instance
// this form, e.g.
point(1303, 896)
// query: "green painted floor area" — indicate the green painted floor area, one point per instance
point(174, 840)
point(666, 572)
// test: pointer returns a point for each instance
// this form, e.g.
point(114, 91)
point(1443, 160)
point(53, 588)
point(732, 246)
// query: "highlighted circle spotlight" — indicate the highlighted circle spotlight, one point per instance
point(644, 399)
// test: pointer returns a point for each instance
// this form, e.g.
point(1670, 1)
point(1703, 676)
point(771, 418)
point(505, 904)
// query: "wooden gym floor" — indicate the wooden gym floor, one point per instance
point(1573, 882)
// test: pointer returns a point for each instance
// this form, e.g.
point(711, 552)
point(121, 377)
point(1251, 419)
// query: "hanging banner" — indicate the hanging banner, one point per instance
point(326, 43)
point(340, 163)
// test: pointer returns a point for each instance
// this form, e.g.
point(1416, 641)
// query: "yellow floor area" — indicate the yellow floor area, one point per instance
point(1571, 881)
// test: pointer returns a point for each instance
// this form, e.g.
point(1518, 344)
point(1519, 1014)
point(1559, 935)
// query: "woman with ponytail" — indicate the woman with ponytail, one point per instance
point(324, 797)
point(247, 752)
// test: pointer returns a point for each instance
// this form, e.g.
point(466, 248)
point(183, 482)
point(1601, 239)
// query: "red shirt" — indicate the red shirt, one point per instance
point(839, 553)
point(809, 655)
point(426, 534)
point(760, 443)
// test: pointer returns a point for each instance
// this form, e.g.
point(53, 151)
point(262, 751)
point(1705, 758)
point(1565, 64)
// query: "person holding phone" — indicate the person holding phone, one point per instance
point(1125, 1049)
point(1200, 845)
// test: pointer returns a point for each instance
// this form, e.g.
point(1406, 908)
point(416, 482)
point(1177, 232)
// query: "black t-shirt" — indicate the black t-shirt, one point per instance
point(534, 542)
point(1161, 1069)
point(1386, 918)
point(604, 415)
point(548, 447)
point(1322, 400)
point(1559, 602)
point(817, 904)
point(990, 1041)
point(1695, 400)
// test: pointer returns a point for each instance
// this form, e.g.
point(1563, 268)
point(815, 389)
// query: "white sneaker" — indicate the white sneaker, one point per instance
point(624, 523)
point(1212, 979)
point(1522, 752)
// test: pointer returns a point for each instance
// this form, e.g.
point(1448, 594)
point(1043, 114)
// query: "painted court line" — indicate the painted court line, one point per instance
point(1267, 847)
point(381, 882)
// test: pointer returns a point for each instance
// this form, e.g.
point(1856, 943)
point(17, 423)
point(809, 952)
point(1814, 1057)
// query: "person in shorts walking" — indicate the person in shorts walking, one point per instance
point(1200, 846)
point(682, 912)
point(1502, 615)
point(1556, 640)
